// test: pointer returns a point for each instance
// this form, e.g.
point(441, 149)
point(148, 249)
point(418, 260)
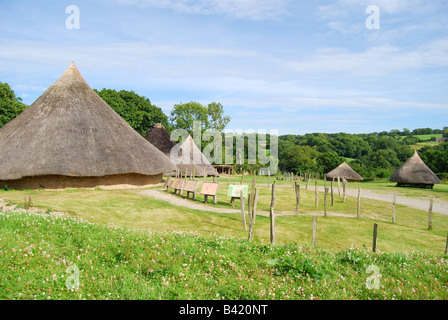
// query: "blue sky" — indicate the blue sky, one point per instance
point(294, 66)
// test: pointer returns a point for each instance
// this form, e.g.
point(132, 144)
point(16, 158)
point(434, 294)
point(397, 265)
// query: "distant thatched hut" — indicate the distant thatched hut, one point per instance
point(69, 137)
point(344, 171)
point(190, 157)
point(223, 168)
point(414, 173)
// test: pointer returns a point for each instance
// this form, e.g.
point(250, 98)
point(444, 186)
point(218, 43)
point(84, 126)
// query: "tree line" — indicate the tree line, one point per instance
point(373, 155)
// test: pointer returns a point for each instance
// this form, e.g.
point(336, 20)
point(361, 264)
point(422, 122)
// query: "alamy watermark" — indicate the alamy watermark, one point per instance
point(73, 20)
point(373, 20)
point(72, 282)
point(373, 281)
point(257, 151)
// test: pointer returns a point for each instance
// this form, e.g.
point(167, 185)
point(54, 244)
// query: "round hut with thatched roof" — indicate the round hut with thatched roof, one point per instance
point(414, 173)
point(188, 158)
point(70, 138)
point(344, 171)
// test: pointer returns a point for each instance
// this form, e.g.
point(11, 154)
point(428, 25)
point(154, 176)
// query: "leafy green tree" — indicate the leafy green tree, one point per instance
point(436, 158)
point(217, 120)
point(299, 159)
point(406, 132)
point(183, 115)
point(136, 110)
point(10, 105)
point(328, 161)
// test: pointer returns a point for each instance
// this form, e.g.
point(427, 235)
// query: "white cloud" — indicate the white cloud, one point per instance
point(343, 8)
point(348, 16)
point(247, 9)
point(375, 61)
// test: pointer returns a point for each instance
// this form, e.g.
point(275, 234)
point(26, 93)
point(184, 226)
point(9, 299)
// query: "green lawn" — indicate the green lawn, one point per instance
point(42, 256)
point(339, 230)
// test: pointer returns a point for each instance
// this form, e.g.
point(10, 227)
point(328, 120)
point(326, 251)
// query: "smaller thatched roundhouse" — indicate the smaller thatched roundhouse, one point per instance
point(344, 171)
point(189, 157)
point(414, 173)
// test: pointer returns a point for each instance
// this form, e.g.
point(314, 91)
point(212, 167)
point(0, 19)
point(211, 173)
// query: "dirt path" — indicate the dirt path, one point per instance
point(161, 194)
point(439, 206)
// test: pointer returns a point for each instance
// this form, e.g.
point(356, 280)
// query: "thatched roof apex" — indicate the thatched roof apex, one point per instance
point(414, 172)
point(69, 130)
point(160, 138)
point(344, 171)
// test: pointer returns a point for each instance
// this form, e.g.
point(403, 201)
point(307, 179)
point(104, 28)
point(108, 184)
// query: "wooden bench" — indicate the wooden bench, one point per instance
point(190, 186)
point(209, 189)
point(177, 185)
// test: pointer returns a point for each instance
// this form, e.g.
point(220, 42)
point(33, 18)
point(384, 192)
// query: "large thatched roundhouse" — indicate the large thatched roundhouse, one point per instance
point(344, 171)
point(189, 157)
point(69, 137)
point(414, 173)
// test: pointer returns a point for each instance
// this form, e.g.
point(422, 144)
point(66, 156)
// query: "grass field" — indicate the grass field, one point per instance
point(130, 246)
point(48, 258)
point(339, 230)
point(424, 137)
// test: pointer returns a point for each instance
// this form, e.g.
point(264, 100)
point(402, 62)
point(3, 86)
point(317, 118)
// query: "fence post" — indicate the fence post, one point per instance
point(243, 215)
point(325, 201)
point(314, 230)
point(446, 246)
point(358, 208)
point(344, 188)
point(297, 190)
point(430, 214)
point(254, 205)
point(339, 186)
point(332, 193)
point(375, 234)
point(316, 196)
point(393, 207)
point(272, 225)
point(251, 220)
point(272, 215)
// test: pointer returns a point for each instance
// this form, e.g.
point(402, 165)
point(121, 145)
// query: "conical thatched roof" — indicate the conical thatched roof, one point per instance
point(189, 156)
point(414, 172)
point(344, 171)
point(71, 131)
point(192, 157)
point(160, 138)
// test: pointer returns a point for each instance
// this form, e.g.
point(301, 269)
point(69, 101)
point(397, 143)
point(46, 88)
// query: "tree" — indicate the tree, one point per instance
point(299, 159)
point(216, 114)
point(10, 105)
point(183, 115)
point(329, 160)
point(136, 110)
